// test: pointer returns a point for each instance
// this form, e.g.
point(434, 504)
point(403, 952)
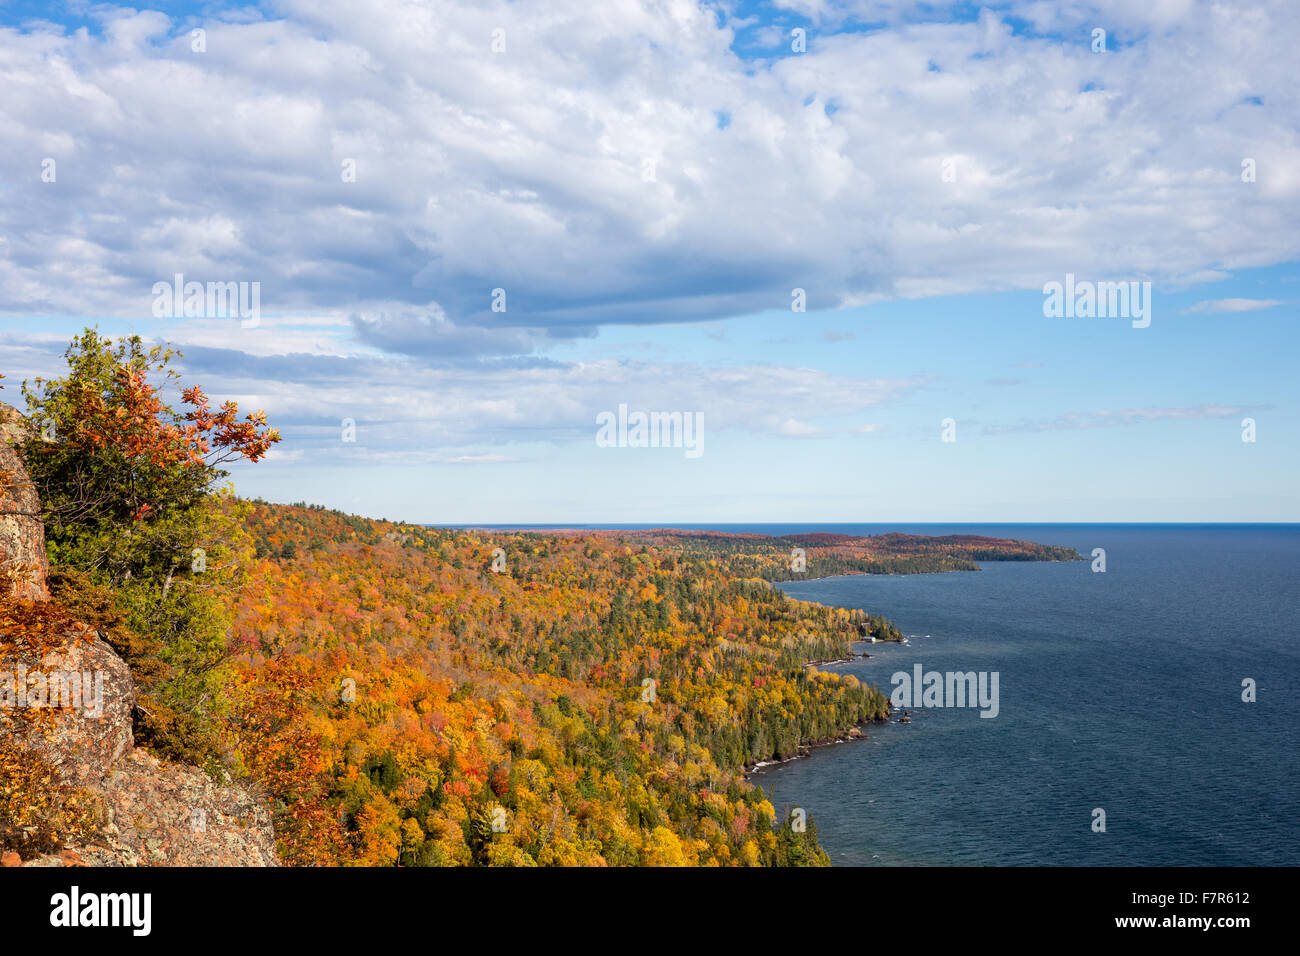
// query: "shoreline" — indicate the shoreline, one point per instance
point(849, 735)
point(806, 749)
point(893, 574)
point(856, 655)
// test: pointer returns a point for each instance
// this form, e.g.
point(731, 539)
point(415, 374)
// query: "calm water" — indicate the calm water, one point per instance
point(1119, 690)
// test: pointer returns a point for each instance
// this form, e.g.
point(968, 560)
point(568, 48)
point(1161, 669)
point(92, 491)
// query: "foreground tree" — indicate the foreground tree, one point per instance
point(131, 489)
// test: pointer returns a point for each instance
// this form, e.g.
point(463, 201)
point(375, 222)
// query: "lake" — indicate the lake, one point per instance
point(1119, 691)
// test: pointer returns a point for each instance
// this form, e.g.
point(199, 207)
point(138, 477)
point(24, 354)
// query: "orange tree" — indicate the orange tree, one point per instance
point(129, 489)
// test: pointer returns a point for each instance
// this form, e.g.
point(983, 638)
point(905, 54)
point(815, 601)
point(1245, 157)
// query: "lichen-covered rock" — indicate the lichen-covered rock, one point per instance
point(13, 426)
point(23, 565)
point(169, 815)
point(85, 694)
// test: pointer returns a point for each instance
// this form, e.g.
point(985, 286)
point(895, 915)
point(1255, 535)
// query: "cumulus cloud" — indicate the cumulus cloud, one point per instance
point(506, 202)
point(583, 169)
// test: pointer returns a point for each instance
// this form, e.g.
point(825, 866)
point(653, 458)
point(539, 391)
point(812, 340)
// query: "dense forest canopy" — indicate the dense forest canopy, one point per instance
point(604, 695)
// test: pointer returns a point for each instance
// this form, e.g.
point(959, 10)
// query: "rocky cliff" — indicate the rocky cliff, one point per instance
point(66, 703)
point(22, 537)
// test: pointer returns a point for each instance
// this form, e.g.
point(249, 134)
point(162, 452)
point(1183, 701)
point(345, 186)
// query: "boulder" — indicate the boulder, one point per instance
point(163, 814)
point(90, 728)
point(23, 565)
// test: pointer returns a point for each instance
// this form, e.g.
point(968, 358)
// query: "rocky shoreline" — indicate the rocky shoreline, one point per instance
point(806, 749)
point(855, 655)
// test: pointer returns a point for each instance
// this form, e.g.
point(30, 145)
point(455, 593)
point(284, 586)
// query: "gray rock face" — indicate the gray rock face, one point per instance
point(23, 565)
point(161, 814)
point(88, 691)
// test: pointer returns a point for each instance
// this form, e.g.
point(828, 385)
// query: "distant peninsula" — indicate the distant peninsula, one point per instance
point(827, 554)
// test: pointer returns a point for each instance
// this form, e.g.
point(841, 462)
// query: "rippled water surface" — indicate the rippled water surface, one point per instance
point(1119, 690)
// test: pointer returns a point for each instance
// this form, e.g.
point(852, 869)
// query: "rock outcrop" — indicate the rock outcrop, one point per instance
point(22, 536)
point(84, 740)
point(168, 815)
point(66, 700)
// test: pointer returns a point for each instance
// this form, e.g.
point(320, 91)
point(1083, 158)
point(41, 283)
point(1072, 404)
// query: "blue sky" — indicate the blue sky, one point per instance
point(921, 171)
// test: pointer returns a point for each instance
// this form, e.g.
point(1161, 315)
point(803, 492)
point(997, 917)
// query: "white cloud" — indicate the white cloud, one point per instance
point(526, 170)
point(584, 172)
point(480, 459)
point(793, 428)
point(1105, 418)
point(1235, 305)
point(408, 411)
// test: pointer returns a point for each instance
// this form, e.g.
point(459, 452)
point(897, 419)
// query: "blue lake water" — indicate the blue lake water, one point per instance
point(1119, 690)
